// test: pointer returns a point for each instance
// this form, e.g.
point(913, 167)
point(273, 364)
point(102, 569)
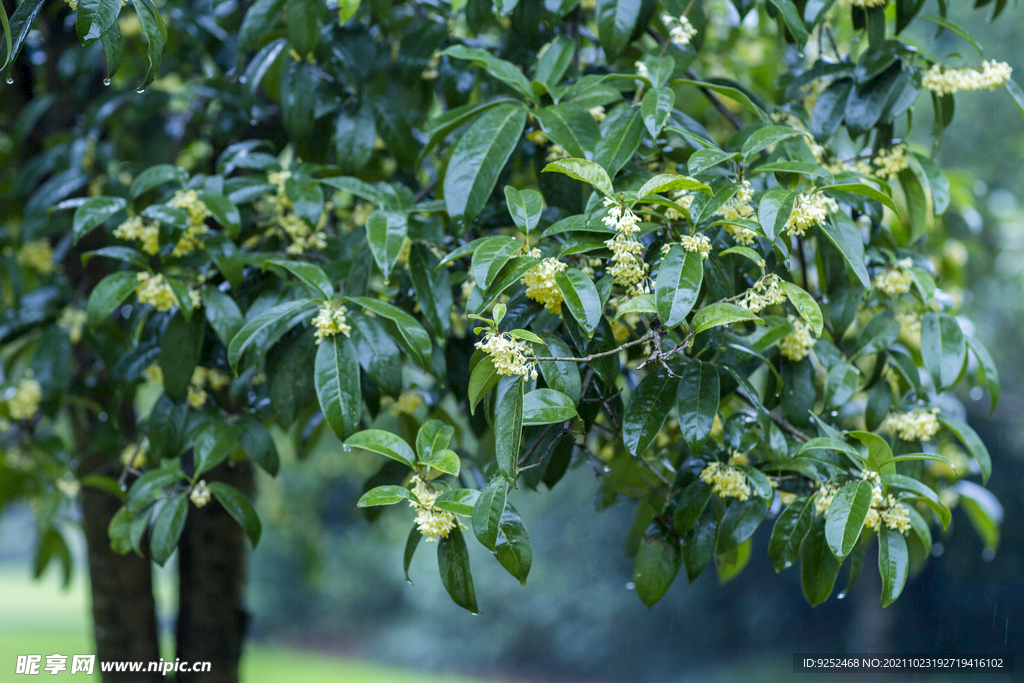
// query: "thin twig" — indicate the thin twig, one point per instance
point(593, 356)
point(722, 109)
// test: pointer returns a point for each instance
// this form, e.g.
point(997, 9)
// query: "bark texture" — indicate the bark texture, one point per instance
point(212, 560)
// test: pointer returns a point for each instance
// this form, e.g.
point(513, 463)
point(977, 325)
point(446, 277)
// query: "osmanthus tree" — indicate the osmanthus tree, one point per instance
point(677, 243)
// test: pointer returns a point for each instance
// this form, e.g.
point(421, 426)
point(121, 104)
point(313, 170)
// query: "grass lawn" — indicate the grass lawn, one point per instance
point(37, 617)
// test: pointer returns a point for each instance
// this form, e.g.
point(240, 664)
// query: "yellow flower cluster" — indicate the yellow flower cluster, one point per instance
point(683, 199)
point(868, 3)
point(739, 206)
point(302, 237)
point(797, 344)
point(25, 403)
point(896, 280)
point(406, 404)
point(823, 498)
point(697, 244)
point(885, 510)
point(154, 374)
point(331, 320)
point(38, 256)
point(134, 454)
point(910, 327)
point(598, 113)
point(556, 153)
point(766, 292)
point(917, 424)
point(430, 71)
point(202, 378)
point(432, 522)
point(680, 31)
point(154, 290)
point(69, 487)
point(508, 354)
point(200, 494)
point(727, 482)
point(809, 210)
point(943, 80)
point(891, 161)
point(540, 284)
point(192, 239)
point(628, 268)
point(72, 320)
point(135, 229)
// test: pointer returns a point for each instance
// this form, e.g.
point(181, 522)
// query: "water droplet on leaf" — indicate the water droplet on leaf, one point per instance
point(10, 79)
point(106, 81)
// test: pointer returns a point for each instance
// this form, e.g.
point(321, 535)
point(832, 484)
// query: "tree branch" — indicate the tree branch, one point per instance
point(593, 356)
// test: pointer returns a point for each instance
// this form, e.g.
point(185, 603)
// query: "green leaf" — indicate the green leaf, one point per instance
point(385, 443)
point(689, 504)
point(252, 329)
point(525, 207)
point(433, 291)
point(642, 303)
point(571, 126)
point(647, 409)
point(587, 171)
point(19, 27)
point(108, 295)
point(224, 212)
point(547, 406)
point(411, 543)
point(846, 516)
point(386, 233)
point(384, 495)
point(727, 90)
point(222, 313)
point(799, 167)
point(415, 339)
point(655, 107)
point(703, 159)
point(699, 545)
point(212, 445)
point(508, 431)
point(453, 564)
point(95, 212)
point(655, 567)
point(678, 285)
point(1011, 86)
point(156, 35)
point(581, 298)
point(167, 528)
point(446, 461)
point(791, 15)
point(94, 17)
point(666, 182)
point(155, 176)
point(433, 438)
point(616, 21)
point(739, 523)
point(844, 234)
point(506, 72)
point(818, 565)
point(879, 452)
point(303, 19)
point(258, 443)
point(989, 369)
point(458, 501)
point(487, 512)
point(563, 376)
point(697, 402)
point(805, 305)
point(554, 60)
point(790, 530)
point(922, 492)
point(378, 355)
point(972, 442)
point(862, 189)
point(763, 138)
point(955, 28)
point(240, 508)
point(720, 314)
point(482, 379)
point(258, 21)
point(479, 157)
point(879, 334)
point(982, 509)
point(620, 140)
point(513, 548)
point(490, 257)
point(309, 274)
point(893, 564)
point(337, 385)
point(943, 348)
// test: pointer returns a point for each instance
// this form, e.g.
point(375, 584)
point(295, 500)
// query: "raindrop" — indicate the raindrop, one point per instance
point(937, 550)
point(102, 417)
point(788, 565)
point(252, 122)
point(841, 596)
point(242, 79)
point(123, 487)
point(606, 469)
point(140, 90)
point(346, 448)
point(10, 79)
point(988, 554)
point(976, 394)
point(106, 81)
point(630, 586)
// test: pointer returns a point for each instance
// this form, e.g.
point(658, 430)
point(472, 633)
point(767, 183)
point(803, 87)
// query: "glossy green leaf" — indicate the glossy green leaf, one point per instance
point(943, 348)
point(156, 36)
point(791, 527)
point(384, 495)
point(508, 430)
point(587, 171)
point(719, 314)
point(525, 207)
point(386, 233)
point(739, 523)
point(337, 385)
point(581, 298)
point(678, 285)
point(805, 305)
point(655, 107)
point(972, 442)
point(547, 406)
point(513, 548)
point(309, 274)
point(167, 528)
point(415, 339)
point(846, 516)
point(108, 295)
point(571, 126)
point(433, 438)
point(655, 567)
point(650, 404)
point(818, 565)
point(616, 21)
point(697, 401)
point(453, 564)
point(487, 512)
point(385, 443)
point(240, 508)
point(922, 492)
point(506, 72)
point(212, 445)
point(893, 564)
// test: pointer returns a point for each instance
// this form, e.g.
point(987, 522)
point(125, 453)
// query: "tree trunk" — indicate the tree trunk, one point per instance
point(123, 608)
point(212, 559)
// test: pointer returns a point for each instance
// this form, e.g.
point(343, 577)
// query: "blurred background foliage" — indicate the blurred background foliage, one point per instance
point(323, 579)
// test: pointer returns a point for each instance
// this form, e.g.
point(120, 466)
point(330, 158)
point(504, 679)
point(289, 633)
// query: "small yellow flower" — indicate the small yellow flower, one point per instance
point(200, 494)
point(508, 354)
point(331, 320)
point(25, 403)
point(432, 522)
point(727, 481)
point(72, 320)
point(135, 229)
point(797, 344)
point(919, 424)
point(540, 284)
point(154, 290)
point(38, 256)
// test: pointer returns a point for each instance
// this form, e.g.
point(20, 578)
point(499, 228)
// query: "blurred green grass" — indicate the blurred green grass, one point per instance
point(38, 617)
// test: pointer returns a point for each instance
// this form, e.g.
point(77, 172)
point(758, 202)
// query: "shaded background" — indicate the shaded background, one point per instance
point(326, 582)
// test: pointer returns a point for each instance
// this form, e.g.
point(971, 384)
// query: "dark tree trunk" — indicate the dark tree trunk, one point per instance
point(123, 608)
point(212, 560)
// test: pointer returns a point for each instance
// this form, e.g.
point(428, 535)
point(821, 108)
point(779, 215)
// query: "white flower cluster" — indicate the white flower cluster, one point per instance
point(766, 292)
point(943, 80)
point(432, 522)
point(917, 424)
point(809, 210)
point(823, 498)
point(885, 510)
point(797, 344)
point(680, 30)
point(135, 229)
point(897, 280)
point(72, 320)
point(508, 354)
point(867, 4)
point(134, 454)
point(200, 494)
point(683, 199)
point(556, 153)
point(739, 206)
point(540, 284)
point(697, 244)
point(25, 403)
point(641, 70)
point(331, 320)
point(154, 290)
point(628, 268)
point(727, 482)
point(892, 160)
